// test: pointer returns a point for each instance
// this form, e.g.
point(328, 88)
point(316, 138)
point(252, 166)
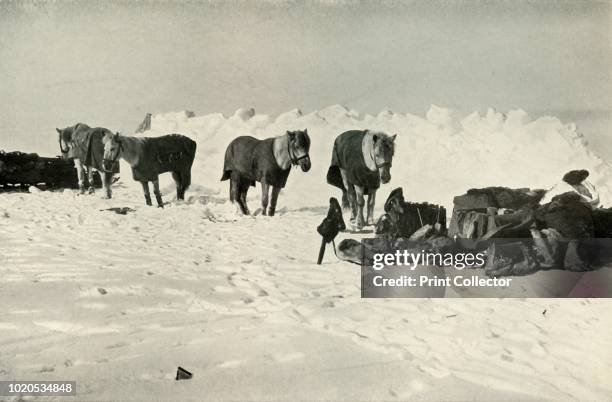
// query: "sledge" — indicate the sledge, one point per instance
point(21, 170)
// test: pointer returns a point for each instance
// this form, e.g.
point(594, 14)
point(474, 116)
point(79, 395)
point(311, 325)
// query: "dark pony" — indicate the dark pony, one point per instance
point(249, 160)
point(361, 160)
point(151, 156)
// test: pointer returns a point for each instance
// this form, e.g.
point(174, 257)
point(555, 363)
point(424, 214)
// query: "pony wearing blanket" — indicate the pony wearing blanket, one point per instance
point(149, 157)
point(84, 144)
point(248, 160)
point(360, 161)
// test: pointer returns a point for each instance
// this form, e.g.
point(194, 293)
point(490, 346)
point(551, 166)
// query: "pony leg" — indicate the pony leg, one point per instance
point(346, 200)
point(145, 189)
point(360, 203)
point(244, 189)
point(352, 199)
point(81, 175)
point(180, 194)
point(90, 172)
point(186, 182)
point(157, 193)
point(273, 199)
point(265, 190)
point(107, 179)
point(235, 192)
point(370, 213)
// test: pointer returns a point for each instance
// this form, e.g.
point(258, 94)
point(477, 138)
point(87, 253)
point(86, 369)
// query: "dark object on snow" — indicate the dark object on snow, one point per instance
point(23, 169)
point(249, 160)
point(331, 225)
point(145, 125)
point(403, 219)
point(119, 210)
point(182, 374)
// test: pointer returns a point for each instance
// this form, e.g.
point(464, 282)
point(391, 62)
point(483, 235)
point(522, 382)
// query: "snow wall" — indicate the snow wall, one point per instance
point(437, 156)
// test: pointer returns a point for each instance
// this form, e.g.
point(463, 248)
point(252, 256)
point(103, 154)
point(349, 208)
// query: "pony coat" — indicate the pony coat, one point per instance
point(254, 160)
point(348, 155)
point(168, 153)
point(87, 146)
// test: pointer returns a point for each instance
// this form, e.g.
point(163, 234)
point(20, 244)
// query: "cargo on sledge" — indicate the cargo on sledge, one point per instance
point(19, 169)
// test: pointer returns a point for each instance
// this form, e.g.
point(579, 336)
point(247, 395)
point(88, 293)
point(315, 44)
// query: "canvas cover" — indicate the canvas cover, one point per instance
point(254, 160)
point(168, 153)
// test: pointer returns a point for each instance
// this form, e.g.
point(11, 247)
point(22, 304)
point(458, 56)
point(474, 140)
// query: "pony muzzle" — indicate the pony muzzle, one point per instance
point(304, 163)
point(385, 175)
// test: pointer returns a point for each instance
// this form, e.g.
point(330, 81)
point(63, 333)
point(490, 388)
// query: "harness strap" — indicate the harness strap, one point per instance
point(294, 160)
point(382, 165)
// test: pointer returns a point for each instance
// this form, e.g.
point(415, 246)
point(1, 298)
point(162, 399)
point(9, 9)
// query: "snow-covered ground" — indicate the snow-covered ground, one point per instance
point(117, 302)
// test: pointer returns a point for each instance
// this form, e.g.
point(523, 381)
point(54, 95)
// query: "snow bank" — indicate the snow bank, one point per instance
point(437, 157)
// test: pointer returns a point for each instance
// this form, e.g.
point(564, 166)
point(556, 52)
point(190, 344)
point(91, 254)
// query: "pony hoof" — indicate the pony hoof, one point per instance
point(91, 190)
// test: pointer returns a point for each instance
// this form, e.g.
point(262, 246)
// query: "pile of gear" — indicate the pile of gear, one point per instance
point(25, 169)
point(522, 230)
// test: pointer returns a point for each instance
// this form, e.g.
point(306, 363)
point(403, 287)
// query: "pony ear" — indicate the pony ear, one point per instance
point(58, 130)
point(291, 135)
point(375, 137)
point(393, 137)
point(116, 136)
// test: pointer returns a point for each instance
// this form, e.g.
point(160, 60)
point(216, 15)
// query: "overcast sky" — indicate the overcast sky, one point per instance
point(108, 63)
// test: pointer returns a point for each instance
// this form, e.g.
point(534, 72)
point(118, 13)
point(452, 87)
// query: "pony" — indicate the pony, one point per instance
point(361, 160)
point(249, 160)
point(151, 156)
point(84, 144)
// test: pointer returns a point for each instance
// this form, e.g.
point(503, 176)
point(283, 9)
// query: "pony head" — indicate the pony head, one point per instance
point(112, 150)
point(298, 147)
point(65, 140)
point(383, 149)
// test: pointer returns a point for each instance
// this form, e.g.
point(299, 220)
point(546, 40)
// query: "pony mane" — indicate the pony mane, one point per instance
point(108, 135)
point(384, 140)
point(302, 138)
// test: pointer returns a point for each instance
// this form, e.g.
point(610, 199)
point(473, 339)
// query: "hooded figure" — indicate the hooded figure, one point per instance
point(574, 181)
